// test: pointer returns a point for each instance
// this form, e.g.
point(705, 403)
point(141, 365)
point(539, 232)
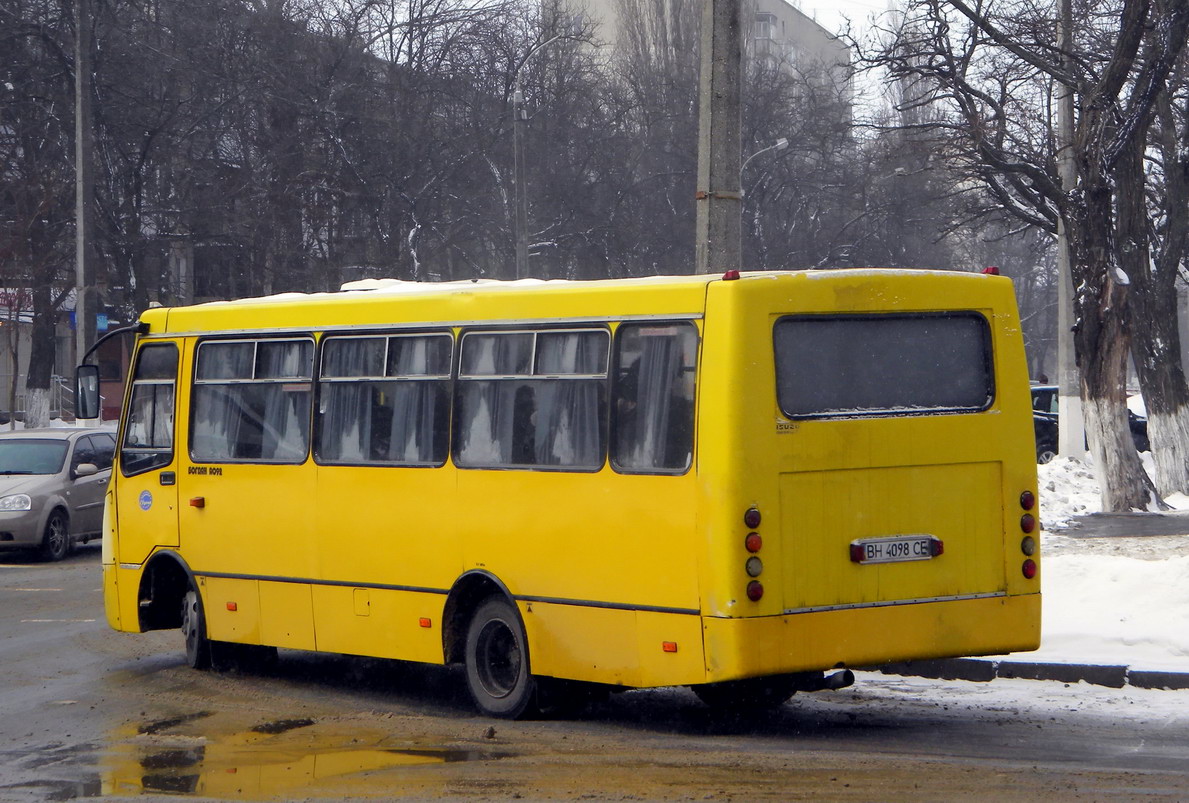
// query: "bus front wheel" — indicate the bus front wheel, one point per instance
point(198, 647)
point(497, 664)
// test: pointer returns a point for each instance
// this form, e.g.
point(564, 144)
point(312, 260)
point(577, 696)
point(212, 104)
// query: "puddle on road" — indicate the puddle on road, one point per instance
point(275, 759)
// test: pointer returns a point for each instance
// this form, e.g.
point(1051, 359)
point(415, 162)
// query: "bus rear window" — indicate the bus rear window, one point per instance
point(881, 365)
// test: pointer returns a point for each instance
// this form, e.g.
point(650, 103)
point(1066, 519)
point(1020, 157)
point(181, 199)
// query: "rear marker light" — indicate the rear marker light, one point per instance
point(1029, 568)
point(424, 622)
point(755, 566)
point(1028, 545)
point(1027, 500)
point(753, 542)
point(669, 646)
point(232, 606)
point(755, 590)
point(752, 518)
point(1027, 522)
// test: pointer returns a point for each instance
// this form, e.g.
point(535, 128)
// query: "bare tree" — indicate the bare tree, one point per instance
point(992, 68)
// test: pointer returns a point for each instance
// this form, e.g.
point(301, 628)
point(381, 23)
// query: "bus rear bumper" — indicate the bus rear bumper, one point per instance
point(870, 636)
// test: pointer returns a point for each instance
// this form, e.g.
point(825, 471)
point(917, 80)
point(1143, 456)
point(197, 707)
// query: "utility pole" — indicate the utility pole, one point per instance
point(519, 119)
point(85, 294)
point(719, 203)
point(1071, 433)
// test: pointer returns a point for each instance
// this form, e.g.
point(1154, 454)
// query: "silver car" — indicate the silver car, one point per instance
point(52, 484)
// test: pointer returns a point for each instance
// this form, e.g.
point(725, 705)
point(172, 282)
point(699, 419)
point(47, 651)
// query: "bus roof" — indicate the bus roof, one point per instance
point(384, 302)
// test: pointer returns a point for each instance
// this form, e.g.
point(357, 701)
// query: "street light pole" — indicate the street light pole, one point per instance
point(778, 145)
point(519, 118)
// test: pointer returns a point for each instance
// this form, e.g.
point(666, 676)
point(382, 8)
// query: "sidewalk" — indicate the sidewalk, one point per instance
point(1156, 539)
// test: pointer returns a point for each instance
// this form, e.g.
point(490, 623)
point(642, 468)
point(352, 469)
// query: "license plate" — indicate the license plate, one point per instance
point(895, 549)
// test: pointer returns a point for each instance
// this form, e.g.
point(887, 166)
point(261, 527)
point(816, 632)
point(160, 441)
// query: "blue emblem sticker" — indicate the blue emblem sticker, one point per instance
point(146, 500)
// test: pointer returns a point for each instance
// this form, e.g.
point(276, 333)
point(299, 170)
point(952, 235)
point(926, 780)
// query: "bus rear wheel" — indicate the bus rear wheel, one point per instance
point(497, 665)
point(747, 696)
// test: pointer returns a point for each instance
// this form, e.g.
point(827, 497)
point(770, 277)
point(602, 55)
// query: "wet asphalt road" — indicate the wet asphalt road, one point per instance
point(86, 713)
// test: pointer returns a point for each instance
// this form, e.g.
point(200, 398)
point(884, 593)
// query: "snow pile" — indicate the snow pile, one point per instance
point(1115, 609)
point(1067, 489)
point(1108, 600)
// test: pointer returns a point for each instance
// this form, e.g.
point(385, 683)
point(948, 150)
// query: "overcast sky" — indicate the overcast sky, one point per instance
point(831, 15)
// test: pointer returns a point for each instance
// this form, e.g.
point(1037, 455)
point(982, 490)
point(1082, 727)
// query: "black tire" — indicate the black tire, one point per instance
point(747, 696)
point(55, 542)
point(198, 646)
point(497, 661)
point(1045, 454)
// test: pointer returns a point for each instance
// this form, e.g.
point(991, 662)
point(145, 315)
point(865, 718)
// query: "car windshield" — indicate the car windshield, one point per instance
point(29, 456)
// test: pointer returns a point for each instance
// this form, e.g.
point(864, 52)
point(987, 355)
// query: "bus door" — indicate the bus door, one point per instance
point(146, 505)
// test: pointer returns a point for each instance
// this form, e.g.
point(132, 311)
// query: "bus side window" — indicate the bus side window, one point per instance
point(252, 400)
point(653, 410)
point(532, 399)
point(148, 432)
point(385, 400)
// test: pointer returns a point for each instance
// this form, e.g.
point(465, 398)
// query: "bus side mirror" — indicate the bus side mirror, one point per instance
point(86, 392)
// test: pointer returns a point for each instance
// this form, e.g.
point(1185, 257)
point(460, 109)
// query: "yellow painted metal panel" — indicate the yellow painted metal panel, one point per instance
point(593, 644)
point(391, 629)
point(287, 615)
point(111, 597)
point(858, 637)
point(219, 595)
point(823, 512)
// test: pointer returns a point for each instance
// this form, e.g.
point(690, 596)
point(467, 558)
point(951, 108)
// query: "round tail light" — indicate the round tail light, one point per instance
point(1029, 568)
point(752, 518)
point(753, 542)
point(755, 590)
point(1027, 500)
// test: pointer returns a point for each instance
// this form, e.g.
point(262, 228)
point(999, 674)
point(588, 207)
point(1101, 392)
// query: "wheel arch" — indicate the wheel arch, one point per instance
point(163, 585)
point(465, 596)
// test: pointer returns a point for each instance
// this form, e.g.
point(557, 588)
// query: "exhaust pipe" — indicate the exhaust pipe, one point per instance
point(823, 682)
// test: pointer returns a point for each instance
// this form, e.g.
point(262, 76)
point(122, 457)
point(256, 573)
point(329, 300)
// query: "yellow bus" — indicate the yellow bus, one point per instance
point(738, 483)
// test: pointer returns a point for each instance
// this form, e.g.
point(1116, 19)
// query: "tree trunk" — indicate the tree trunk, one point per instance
point(41, 360)
point(1101, 341)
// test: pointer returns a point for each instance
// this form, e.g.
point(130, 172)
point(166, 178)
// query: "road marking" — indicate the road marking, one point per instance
point(44, 621)
point(30, 589)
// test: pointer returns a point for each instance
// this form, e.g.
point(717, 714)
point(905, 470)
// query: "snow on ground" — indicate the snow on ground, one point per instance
point(1109, 600)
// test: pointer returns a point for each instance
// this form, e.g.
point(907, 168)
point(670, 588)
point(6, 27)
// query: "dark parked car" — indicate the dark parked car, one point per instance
point(1044, 423)
point(52, 484)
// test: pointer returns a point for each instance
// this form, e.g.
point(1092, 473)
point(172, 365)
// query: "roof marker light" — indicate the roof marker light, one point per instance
point(730, 275)
point(991, 270)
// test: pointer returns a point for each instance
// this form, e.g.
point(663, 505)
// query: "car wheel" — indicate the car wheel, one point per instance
point(1045, 454)
point(198, 647)
point(55, 543)
point(497, 664)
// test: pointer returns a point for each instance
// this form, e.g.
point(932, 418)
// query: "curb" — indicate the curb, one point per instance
point(984, 671)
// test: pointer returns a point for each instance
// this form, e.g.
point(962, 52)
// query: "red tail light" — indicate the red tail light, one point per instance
point(752, 518)
point(753, 542)
point(1029, 568)
point(1027, 522)
point(755, 590)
